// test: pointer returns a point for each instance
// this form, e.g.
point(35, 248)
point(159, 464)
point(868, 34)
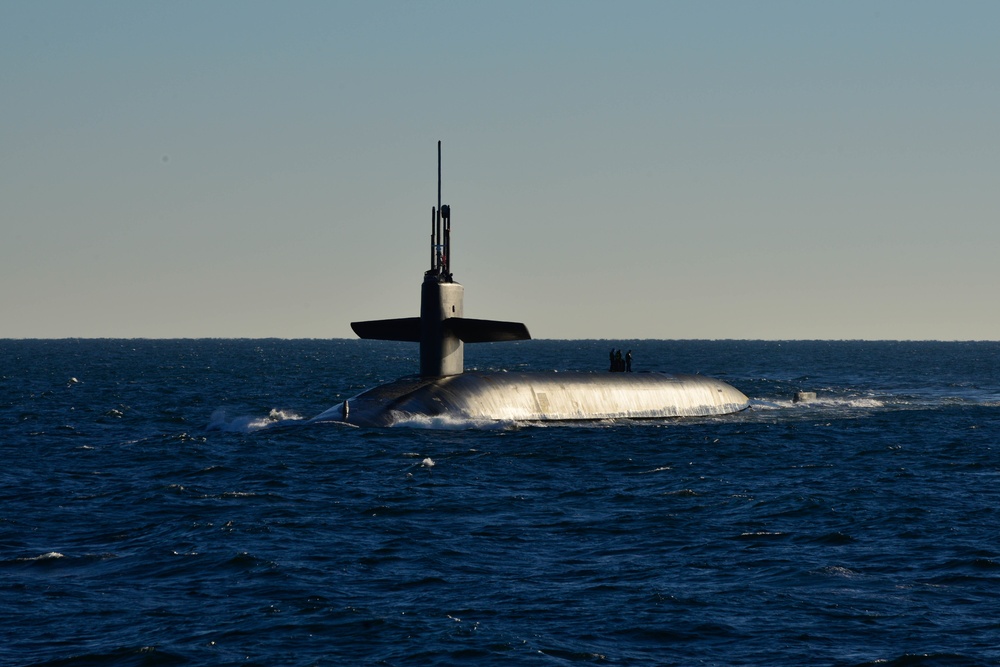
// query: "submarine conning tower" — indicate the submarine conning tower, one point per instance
point(441, 350)
point(442, 328)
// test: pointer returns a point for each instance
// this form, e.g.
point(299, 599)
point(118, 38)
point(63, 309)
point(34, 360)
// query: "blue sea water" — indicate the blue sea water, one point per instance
point(169, 502)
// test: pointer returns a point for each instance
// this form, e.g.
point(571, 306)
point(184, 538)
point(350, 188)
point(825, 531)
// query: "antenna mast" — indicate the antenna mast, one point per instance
point(441, 234)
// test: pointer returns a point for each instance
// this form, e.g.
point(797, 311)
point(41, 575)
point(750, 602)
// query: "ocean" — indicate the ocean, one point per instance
point(170, 502)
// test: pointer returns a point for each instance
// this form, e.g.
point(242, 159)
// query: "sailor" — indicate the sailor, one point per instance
point(619, 365)
point(628, 361)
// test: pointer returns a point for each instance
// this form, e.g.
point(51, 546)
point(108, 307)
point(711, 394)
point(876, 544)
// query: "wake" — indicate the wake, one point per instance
point(220, 421)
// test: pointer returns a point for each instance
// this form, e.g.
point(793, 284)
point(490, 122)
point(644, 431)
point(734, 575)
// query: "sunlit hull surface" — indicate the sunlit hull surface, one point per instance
point(540, 397)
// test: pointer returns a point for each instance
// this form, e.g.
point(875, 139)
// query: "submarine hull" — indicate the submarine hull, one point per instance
point(541, 397)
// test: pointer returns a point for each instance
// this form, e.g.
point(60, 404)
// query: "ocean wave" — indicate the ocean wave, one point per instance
point(50, 556)
point(849, 402)
point(447, 422)
point(220, 421)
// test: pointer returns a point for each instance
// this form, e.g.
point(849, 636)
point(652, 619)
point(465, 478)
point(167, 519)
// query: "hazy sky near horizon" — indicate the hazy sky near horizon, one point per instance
point(714, 169)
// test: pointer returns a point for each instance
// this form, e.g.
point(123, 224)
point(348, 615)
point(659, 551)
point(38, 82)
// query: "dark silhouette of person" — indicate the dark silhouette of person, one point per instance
point(619, 365)
point(628, 361)
point(611, 361)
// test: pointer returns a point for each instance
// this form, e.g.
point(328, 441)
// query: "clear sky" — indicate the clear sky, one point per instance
point(616, 170)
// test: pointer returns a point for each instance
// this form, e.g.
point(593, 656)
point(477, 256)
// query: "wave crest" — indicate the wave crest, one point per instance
point(220, 421)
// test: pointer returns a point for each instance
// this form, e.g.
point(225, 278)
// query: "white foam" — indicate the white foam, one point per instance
point(52, 555)
point(857, 402)
point(248, 423)
point(283, 415)
point(864, 403)
point(445, 422)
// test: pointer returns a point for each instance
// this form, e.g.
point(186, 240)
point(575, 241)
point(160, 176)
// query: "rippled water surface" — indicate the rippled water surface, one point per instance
point(170, 502)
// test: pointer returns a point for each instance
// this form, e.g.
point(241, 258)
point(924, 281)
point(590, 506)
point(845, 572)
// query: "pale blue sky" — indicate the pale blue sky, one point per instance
point(615, 169)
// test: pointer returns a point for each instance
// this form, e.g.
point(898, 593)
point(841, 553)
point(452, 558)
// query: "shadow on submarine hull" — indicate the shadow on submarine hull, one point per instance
point(541, 397)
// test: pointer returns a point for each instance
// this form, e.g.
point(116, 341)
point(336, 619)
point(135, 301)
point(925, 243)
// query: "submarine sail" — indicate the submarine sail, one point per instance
point(441, 328)
point(443, 389)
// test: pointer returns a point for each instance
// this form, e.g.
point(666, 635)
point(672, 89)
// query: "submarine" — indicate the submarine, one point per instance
point(444, 390)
